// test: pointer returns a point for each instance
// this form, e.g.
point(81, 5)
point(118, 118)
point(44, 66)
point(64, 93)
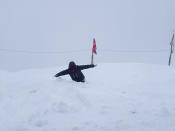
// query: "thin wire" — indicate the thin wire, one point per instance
point(83, 50)
point(42, 52)
point(135, 51)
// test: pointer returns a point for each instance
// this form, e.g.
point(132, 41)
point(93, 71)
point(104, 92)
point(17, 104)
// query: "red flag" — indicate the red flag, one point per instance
point(94, 47)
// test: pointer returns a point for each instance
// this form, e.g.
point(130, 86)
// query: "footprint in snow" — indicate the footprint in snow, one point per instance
point(33, 91)
point(62, 107)
point(21, 129)
point(41, 123)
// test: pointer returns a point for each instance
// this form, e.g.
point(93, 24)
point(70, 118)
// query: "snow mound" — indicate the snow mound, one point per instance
point(115, 97)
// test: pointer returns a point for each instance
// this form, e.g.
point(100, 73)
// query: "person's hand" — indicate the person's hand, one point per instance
point(55, 75)
point(95, 65)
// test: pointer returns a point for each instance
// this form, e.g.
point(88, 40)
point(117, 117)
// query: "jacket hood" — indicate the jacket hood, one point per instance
point(72, 64)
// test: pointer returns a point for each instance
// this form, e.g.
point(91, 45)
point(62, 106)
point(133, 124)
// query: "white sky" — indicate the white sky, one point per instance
point(55, 25)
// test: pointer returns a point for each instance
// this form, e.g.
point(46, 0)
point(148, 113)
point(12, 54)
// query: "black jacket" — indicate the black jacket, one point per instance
point(75, 71)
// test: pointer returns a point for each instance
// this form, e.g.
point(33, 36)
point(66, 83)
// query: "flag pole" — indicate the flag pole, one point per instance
point(171, 50)
point(169, 62)
point(92, 57)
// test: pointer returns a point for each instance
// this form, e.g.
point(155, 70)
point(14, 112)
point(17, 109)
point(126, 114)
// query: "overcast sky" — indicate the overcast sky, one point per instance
point(70, 25)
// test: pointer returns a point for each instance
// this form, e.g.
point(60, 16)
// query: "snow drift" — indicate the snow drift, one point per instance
point(115, 97)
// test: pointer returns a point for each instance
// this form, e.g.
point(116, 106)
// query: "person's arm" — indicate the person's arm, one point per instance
point(82, 67)
point(64, 72)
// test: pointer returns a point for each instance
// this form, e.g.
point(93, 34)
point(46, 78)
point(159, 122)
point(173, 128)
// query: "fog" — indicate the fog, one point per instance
point(47, 33)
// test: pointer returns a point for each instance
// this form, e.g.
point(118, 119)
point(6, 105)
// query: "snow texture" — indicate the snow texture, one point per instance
point(115, 97)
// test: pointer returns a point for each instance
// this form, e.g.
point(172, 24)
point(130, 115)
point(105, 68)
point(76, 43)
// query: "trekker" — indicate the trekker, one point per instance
point(75, 71)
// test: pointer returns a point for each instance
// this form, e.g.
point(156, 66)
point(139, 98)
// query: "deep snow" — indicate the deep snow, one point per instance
point(116, 97)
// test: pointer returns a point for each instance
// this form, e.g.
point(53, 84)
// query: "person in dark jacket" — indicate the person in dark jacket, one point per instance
point(75, 71)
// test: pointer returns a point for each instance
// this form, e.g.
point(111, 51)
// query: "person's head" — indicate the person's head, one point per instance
point(72, 65)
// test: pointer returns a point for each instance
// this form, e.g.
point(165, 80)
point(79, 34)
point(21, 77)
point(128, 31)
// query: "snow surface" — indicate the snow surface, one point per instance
point(116, 97)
